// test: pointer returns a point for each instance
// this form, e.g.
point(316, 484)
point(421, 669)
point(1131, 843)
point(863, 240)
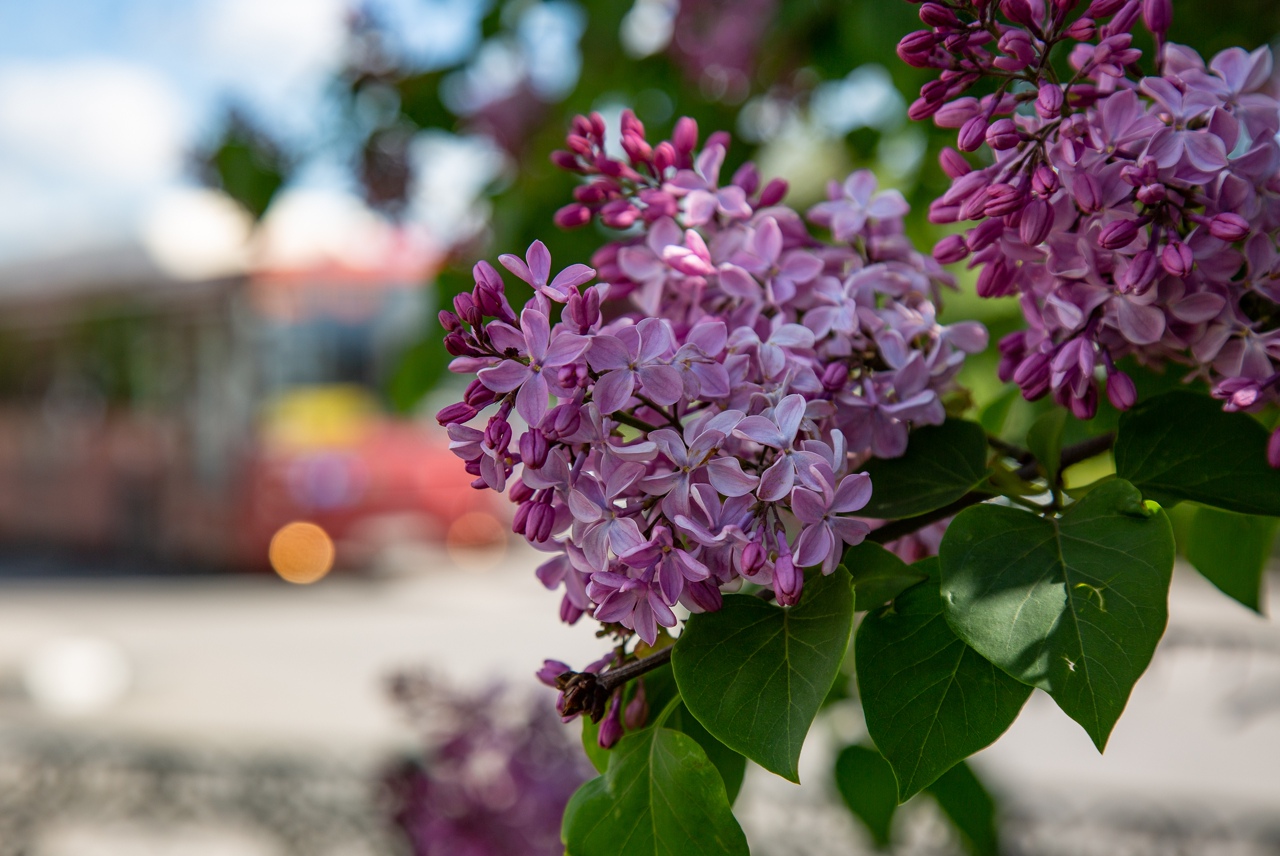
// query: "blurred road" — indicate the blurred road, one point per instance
point(250, 667)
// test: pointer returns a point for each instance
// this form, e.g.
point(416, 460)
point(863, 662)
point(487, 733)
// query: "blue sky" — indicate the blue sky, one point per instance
point(100, 100)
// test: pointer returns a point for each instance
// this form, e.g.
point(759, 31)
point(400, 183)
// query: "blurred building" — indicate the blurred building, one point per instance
point(181, 396)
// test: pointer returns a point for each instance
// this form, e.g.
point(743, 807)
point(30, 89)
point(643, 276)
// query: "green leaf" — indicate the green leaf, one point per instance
point(754, 674)
point(731, 766)
point(1182, 446)
point(878, 575)
point(1074, 606)
point(660, 795)
point(1231, 551)
point(964, 800)
point(660, 689)
point(866, 783)
point(930, 700)
point(596, 754)
point(1045, 442)
point(942, 464)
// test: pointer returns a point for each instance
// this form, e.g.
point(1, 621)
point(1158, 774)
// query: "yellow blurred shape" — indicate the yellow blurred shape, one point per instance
point(301, 552)
point(320, 416)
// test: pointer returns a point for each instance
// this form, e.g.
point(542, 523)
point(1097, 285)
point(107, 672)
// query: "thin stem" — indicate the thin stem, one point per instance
point(615, 678)
point(628, 419)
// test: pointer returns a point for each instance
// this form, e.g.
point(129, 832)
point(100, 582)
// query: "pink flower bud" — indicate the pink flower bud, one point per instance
point(985, 234)
point(572, 216)
point(566, 160)
point(1157, 15)
point(956, 113)
point(937, 15)
point(916, 48)
point(1120, 391)
point(972, 134)
point(1037, 222)
point(1228, 227)
point(773, 192)
point(664, 157)
point(1103, 8)
point(953, 163)
point(996, 280)
point(1118, 234)
point(1049, 101)
point(1002, 199)
point(951, 249)
point(611, 726)
point(456, 413)
point(1140, 272)
point(637, 709)
point(1081, 30)
point(1176, 258)
point(1044, 181)
point(1018, 11)
point(685, 136)
point(1003, 134)
point(1086, 193)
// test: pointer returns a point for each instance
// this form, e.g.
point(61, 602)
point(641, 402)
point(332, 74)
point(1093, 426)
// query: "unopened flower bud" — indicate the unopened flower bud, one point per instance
point(1003, 134)
point(1176, 258)
point(955, 113)
point(937, 15)
point(637, 713)
point(1086, 193)
point(953, 163)
point(1002, 199)
point(611, 726)
point(787, 580)
point(1157, 15)
point(916, 48)
point(1228, 227)
point(572, 216)
point(1120, 391)
point(1049, 101)
point(534, 448)
point(1018, 11)
point(552, 669)
point(1140, 272)
point(1044, 181)
point(456, 413)
point(1104, 8)
point(773, 192)
point(972, 134)
point(685, 135)
point(1037, 221)
point(951, 249)
point(664, 157)
point(1273, 449)
point(1118, 234)
point(1081, 30)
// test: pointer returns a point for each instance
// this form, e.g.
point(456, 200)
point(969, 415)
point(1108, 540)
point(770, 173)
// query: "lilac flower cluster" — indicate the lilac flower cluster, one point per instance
point(1130, 214)
point(695, 417)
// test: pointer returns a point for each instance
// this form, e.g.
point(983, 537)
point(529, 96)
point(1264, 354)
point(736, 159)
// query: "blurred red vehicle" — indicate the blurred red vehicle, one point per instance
point(185, 421)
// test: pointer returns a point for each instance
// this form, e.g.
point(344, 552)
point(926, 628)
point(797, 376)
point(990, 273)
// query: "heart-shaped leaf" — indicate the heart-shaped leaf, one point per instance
point(929, 699)
point(878, 575)
point(967, 803)
point(1074, 606)
point(754, 674)
point(1231, 551)
point(942, 464)
point(866, 783)
point(660, 796)
point(1182, 446)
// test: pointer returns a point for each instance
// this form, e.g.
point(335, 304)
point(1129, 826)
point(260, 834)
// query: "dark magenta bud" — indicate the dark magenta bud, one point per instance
point(1118, 234)
point(1120, 391)
point(572, 216)
point(773, 192)
point(951, 249)
point(1103, 8)
point(937, 15)
point(953, 163)
point(1037, 222)
point(916, 48)
point(456, 413)
point(534, 448)
point(1003, 134)
point(1049, 101)
point(972, 134)
point(611, 726)
point(637, 713)
point(1157, 15)
point(1086, 193)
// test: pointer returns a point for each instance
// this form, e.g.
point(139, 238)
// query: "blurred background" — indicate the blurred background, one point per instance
point(249, 603)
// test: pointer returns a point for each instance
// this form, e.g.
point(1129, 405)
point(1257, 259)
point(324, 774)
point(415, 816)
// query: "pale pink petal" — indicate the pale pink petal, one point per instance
point(815, 545)
point(531, 400)
point(505, 376)
point(776, 481)
point(661, 383)
point(728, 478)
point(853, 493)
point(539, 259)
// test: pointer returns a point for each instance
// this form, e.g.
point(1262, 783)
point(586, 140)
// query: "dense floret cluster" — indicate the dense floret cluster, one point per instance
point(1131, 214)
point(695, 417)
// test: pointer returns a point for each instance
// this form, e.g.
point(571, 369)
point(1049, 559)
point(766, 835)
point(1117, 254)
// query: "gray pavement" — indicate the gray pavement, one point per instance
point(248, 667)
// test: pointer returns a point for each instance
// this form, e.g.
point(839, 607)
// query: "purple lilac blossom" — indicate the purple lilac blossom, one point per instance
point(698, 417)
point(1131, 215)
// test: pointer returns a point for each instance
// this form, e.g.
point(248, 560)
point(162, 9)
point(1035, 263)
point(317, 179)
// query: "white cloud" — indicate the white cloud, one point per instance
point(102, 121)
point(277, 53)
